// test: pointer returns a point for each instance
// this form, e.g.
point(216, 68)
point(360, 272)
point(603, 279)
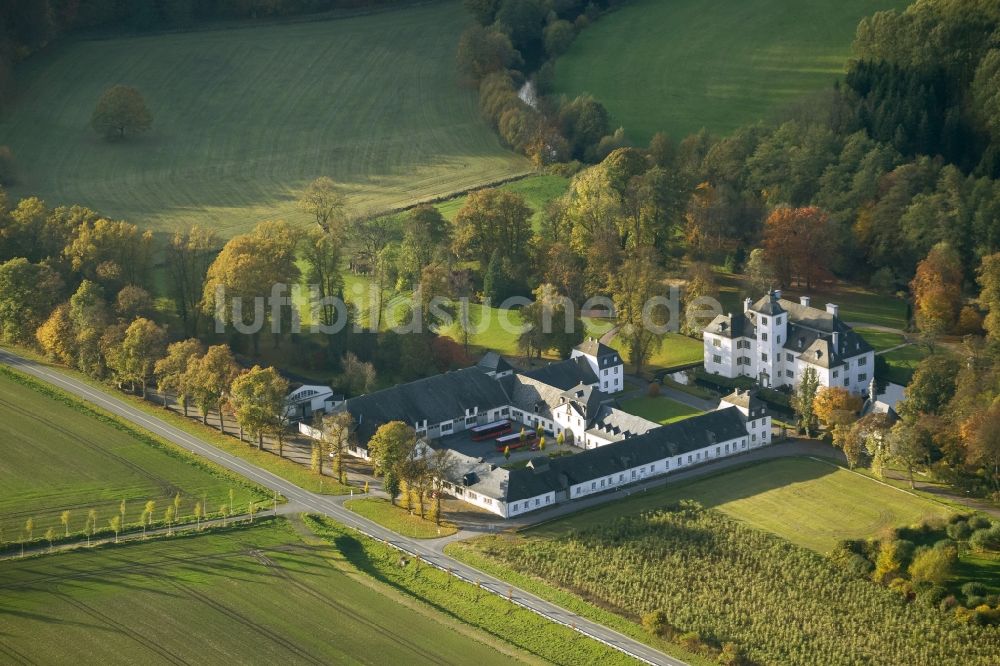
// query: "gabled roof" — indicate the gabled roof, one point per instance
point(494, 362)
point(434, 399)
point(666, 441)
point(564, 375)
point(585, 399)
point(747, 399)
point(613, 424)
point(532, 396)
point(596, 348)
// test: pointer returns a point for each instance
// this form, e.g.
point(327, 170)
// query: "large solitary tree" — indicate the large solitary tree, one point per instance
point(121, 111)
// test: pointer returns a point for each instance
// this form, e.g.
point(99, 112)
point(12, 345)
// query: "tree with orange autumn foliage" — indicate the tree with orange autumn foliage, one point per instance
point(834, 405)
point(937, 290)
point(798, 243)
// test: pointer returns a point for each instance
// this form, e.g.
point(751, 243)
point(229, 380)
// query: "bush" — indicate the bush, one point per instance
point(656, 622)
point(653, 390)
point(985, 540)
point(979, 522)
point(933, 596)
point(959, 531)
point(973, 589)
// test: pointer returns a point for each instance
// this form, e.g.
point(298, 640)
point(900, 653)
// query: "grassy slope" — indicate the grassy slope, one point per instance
point(536, 190)
point(250, 596)
point(398, 519)
point(245, 118)
point(902, 362)
point(661, 410)
point(683, 65)
point(60, 456)
point(880, 340)
point(674, 350)
point(810, 503)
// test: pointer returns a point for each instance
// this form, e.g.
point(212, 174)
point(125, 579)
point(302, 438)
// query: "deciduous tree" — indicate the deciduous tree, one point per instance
point(171, 370)
point(325, 203)
point(804, 398)
point(835, 405)
point(121, 111)
point(642, 322)
point(188, 255)
point(937, 290)
point(143, 345)
point(259, 397)
point(208, 379)
point(391, 445)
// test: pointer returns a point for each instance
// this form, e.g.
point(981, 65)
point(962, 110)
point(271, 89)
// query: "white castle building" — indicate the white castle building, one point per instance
point(774, 340)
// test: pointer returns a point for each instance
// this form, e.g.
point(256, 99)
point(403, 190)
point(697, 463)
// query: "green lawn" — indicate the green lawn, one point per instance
point(811, 503)
point(259, 595)
point(676, 349)
point(683, 65)
point(858, 305)
point(60, 455)
point(398, 519)
point(880, 340)
point(902, 362)
point(244, 118)
point(536, 190)
point(660, 409)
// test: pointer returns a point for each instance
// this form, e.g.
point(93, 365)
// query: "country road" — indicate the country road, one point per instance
point(313, 503)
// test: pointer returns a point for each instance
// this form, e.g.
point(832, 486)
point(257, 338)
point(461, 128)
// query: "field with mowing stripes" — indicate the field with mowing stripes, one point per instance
point(244, 118)
point(682, 65)
point(259, 595)
point(809, 502)
point(59, 455)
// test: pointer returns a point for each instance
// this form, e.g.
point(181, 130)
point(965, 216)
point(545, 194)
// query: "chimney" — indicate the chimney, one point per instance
point(777, 294)
point(747, 303)
point(836, 342)
point(833, 309)
point(804, 301)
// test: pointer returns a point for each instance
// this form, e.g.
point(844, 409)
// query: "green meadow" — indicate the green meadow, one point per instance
point(244, 118)
point(683, 65)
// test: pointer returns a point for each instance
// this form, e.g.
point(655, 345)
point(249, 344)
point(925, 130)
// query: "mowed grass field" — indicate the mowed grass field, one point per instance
point(245, 118)
point(259, 595)
point(808, 502)
point(683, 65)
point(58, 455)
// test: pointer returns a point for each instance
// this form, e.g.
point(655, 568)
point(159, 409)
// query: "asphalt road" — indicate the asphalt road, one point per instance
point(319, 504)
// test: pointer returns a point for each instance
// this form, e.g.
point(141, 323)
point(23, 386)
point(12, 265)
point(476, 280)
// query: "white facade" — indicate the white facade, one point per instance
point(605, 362)
point(774, 341)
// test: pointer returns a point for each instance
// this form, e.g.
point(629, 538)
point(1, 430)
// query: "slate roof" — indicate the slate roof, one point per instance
point(728, 326)
point(585, 399)
point(564, 375)
point(666, 441)
point(615, 425)
point(769, 305)
point(434, 399)
point(494, 362)
point(596, 348)
point(532, 396)
point(746, 399)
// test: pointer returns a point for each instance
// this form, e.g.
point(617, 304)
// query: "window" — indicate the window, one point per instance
point(847, 381)
point(689, 458)
point(717, 342)
point(847, 365)
point(621, 478)
point(666, 464)
point(697, 456)
point(862, 377)
point(763, 337)
point(538, 502)
point(789, 374)
point(836, 373)
point(447, 427)
point(763, 357)
point(602, 483)
point(514, 507)
point(593, 485)
point(679, 462)
point(652, 468)
point(470, 420)
point(727, 448)
point(788, 357)
point(779, 339)
point(863, 361)
point(763, 321)
point(505, 411)
point(753, 438)
point(577, 491)
point(716, 358)
point(718, 451)
point(547, 499)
